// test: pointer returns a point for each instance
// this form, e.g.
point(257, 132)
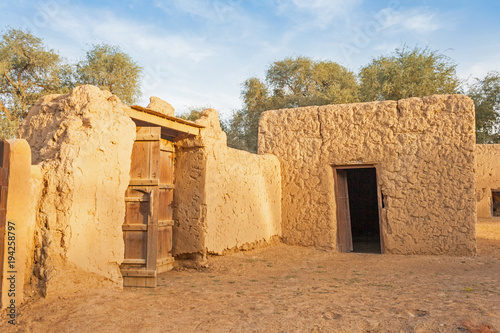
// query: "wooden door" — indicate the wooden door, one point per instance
point(344, 237)
point(147, 229)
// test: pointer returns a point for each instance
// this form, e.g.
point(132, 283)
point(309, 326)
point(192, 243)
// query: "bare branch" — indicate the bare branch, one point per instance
point(6, 111)
point(9, 79)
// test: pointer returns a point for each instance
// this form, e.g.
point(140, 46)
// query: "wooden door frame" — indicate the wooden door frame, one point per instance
point(379, 196)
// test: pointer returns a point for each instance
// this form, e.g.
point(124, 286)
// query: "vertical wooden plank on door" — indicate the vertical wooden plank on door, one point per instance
point(155, 198)
point(165, 219)
point(344, 237)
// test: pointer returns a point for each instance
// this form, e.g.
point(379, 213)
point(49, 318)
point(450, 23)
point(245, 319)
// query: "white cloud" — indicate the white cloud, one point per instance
point(176, 65)
point(422, 23)
point(478, 69)
point(86, 26)
point(418, 20)
point(385, 48)
point(217, 11)
point(322, 11)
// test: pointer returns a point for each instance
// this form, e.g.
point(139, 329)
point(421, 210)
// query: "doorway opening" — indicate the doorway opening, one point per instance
point(358, 209)
point(495, 203)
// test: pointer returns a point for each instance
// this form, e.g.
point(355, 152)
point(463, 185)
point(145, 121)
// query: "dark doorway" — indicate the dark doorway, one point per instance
point(358, 210)
point(495, 203)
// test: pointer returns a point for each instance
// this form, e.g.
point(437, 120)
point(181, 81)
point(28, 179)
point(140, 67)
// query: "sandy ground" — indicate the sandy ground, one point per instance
point(293, 289)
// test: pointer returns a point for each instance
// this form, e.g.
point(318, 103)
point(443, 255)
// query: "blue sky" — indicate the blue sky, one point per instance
point(198, 53)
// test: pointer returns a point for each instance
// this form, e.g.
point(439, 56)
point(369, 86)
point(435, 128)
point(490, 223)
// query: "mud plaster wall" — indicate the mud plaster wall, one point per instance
point(36, 187)
point(487, 177)
point(225, 198)
point(424, 151)
point(82, 142)
point(17, 223)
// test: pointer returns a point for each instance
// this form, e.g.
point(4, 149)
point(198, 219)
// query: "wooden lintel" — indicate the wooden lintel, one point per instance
point(158, 119)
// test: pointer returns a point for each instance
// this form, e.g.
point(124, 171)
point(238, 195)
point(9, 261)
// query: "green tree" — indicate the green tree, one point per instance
point(243, 128)
point(108, 68)
point(408, 73)
point(237, 130)
point(300, 81)
point(193, 112)
point(290, 83)
point(191, 115)
point(28, 70)
point(486, 95)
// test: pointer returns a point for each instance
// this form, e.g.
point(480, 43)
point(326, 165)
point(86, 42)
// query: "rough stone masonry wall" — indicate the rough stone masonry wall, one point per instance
point(82, 142)
point(225, 198)
point(424, 151)
point(487, 177)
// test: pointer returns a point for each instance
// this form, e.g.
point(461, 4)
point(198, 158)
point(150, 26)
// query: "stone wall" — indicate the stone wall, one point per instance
point(424, 152)
point(225, 198)
point(82, 143)
point(487, 177)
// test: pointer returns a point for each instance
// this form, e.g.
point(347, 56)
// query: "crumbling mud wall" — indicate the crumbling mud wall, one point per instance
point(82, 142)
point(487, 177)
point(225, 198)
point(36, 187)
point(424, 152)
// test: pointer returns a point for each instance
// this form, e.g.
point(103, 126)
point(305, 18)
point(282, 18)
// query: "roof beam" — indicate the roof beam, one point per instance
point(165, 121)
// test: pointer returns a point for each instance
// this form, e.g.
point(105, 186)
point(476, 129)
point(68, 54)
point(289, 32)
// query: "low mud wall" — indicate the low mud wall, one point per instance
point(225, 198)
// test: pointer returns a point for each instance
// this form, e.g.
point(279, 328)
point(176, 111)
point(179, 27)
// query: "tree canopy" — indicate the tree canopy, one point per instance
point(486, 95)
point(28, 70)
point(289, 83)
point(109, 68)
point(408, 73)
point(193, 112)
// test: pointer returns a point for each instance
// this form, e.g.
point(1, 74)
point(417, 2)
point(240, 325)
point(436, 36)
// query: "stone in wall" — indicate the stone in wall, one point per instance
point(159, 105)
point(424, 152)
point(82, 142)
point(487, 177)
